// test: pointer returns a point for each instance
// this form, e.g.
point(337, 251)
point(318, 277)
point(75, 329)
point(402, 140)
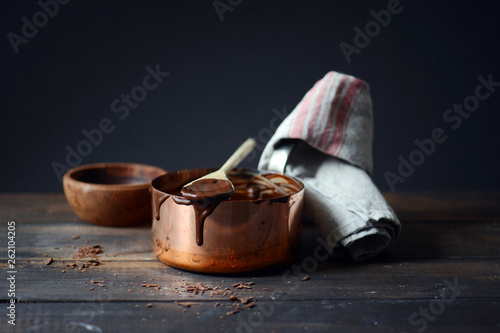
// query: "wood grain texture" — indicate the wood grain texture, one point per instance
point(450, 206)
point(446, 263)
point(462, 315)
point(331, 280)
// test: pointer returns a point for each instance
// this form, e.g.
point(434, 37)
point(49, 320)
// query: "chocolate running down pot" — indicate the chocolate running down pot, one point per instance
point(248, 231)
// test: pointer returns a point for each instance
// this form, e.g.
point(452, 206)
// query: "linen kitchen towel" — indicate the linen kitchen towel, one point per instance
point(327, 143)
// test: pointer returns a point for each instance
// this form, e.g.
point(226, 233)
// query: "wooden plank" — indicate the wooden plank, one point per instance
point(432, 206)
point(328, 280)
point(459, 315)
point(35, 207)
point(446, 206)
point(38, 240)
point(417, 241)
point(447, 240)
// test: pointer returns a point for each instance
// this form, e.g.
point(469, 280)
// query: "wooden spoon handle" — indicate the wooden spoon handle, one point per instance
point(239, 155)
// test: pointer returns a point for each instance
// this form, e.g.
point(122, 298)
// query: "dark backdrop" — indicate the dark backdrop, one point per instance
point(226, 77)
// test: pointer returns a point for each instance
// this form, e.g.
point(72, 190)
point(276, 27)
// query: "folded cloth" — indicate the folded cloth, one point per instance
point(327, 143)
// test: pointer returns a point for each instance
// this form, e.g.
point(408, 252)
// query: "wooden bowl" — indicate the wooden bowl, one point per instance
point(111, 194)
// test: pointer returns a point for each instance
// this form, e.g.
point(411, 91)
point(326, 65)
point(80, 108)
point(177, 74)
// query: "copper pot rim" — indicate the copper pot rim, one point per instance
point(154, 184)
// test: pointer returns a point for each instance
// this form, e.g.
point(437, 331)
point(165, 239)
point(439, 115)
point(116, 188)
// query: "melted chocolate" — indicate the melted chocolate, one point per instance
point(158, 199)
point(202, 209)
point(208, 189)
point(205, 195)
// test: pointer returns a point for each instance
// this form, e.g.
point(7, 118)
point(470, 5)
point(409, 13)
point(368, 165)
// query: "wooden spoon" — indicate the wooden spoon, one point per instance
point(216, 184)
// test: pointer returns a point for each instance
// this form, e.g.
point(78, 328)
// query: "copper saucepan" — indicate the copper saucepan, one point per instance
point(238, 236)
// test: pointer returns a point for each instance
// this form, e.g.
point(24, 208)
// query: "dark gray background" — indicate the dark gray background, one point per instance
point(227, 76)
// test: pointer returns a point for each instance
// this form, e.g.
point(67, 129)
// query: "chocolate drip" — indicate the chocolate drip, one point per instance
point(205, 195)
point(158, 199)
point(202, 209)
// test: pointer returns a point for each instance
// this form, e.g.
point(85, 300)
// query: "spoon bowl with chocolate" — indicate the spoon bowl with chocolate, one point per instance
point(257, 226)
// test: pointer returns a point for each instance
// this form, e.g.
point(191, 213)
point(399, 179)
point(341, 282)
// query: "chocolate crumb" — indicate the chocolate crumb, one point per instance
point(250, 305)
point(186, 304)
point(48, 261)
point(150, 285)
point(89, 251)
point(150, 305)
point(232, 312)
point(245, 300)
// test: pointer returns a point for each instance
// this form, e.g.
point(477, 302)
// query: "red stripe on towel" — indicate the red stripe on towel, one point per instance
point(346, 123)
point(347, 104)
point(324, 143)
point(313, 112)
point(309, 106)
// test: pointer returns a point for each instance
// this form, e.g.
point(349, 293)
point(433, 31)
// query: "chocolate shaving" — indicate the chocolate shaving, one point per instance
point(186, 304)
point(245, 300)
point(233, 311)
point(198, 288)
point(250, 305)
point(150, 285)
point(242, 300)
point(89, 251)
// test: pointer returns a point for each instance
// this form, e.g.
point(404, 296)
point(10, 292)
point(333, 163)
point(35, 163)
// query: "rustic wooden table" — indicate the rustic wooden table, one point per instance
point(443, 274)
